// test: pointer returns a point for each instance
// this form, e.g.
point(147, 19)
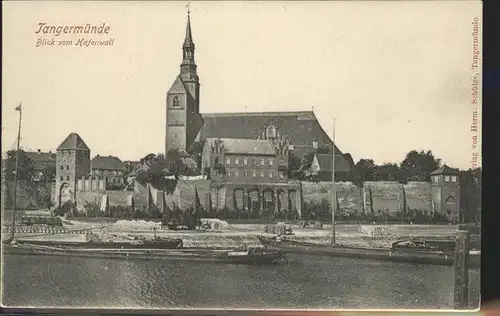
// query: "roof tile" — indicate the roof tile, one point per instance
point(301, 127)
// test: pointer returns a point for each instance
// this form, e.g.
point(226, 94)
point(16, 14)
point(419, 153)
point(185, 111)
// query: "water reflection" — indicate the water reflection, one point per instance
point(302, 282)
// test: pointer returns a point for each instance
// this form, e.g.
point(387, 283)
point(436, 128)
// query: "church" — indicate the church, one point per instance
point(300, 130)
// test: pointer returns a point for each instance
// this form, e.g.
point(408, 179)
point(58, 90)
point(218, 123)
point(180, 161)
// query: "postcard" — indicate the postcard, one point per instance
point(246, 155)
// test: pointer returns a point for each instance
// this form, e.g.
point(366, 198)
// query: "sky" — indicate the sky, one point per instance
point(396, 75)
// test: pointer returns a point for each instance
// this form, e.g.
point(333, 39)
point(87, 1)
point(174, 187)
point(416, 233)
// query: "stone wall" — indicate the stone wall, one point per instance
point(383, 197)
point(419, 196)
point(386, 196)
point(348, 195)
point(112, 198)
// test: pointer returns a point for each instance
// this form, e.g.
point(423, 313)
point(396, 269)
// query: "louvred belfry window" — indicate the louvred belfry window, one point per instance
point(176, 101)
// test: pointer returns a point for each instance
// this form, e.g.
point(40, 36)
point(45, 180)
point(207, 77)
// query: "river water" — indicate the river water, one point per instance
point(301, 282)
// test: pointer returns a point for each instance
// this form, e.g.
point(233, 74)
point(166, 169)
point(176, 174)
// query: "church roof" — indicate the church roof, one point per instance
point(301, 127)
point(245, 146)
point(444, 169)
point(73, 141)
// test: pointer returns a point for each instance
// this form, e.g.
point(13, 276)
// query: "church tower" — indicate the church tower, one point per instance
point(183, 99)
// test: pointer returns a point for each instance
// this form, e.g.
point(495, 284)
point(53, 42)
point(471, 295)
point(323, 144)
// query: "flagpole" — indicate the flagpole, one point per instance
point(334, 189)
point(19, 108)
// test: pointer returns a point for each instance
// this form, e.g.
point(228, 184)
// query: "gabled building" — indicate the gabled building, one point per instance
point(44, 164)
point(321, 167)
point(110, 167)
point(245, 160)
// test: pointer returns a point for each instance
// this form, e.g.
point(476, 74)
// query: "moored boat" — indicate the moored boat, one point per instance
point(159, 243)
point(420, 256)
point(252, 256)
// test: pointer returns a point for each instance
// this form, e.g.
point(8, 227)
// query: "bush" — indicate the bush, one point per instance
point(141, 213)
point(65, 209)
point(92, 209)
point(223, 213)
point(317, 211)
point(120, 211)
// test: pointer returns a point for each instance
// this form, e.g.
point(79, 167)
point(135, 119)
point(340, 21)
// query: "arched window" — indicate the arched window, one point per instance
point(450, 200)
point(176, 101)
point(271, 131)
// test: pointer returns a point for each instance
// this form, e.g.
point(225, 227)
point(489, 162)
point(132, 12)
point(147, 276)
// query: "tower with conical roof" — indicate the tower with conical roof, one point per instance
point(183, 98)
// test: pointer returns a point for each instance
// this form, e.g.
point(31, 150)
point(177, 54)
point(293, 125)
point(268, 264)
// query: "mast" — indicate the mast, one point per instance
point(18, 108)
point(334, 189)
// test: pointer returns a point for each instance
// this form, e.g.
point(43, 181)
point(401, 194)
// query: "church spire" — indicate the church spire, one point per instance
point(188, 41)
point(188, 66)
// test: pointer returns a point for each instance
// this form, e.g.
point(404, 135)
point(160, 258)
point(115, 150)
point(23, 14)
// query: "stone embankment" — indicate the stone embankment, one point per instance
point(231, 236)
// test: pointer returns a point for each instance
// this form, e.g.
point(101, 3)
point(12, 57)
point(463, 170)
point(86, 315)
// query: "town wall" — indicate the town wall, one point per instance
point(419, 196)
point(104, 199)
point(383, 197)
point(386, 196)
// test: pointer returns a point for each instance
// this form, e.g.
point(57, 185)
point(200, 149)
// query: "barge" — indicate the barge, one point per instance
point(253, 256)
point(158, 243)
point(419, 256)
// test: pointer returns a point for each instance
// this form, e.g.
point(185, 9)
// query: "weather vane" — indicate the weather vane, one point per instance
point(188, 7)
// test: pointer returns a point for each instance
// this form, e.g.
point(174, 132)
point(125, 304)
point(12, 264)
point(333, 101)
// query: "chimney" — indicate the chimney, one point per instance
point(315, 144)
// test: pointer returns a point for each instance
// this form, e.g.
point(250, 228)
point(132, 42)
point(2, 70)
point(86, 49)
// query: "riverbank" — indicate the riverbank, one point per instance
point(241, 235)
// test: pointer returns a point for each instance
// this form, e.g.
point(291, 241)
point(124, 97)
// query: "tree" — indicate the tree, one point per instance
point(470, 194)
point(174, 164)
point(417, 166)
point(49, 172)
point(386, 172)
point(155, 169)
point(26, 170)
point(363, 171)
point(195, 151)
point(294, 164)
